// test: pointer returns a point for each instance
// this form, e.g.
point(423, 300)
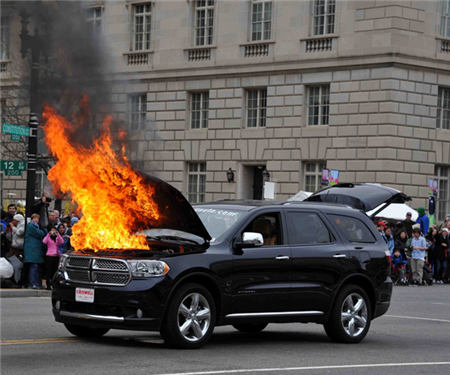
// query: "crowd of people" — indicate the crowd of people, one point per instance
point(33, 249)
point(419, 251)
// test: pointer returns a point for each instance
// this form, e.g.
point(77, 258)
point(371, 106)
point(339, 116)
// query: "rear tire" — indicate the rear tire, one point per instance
point(250, 327)
point(85, 332)
point(190, 317)
point(350, 317)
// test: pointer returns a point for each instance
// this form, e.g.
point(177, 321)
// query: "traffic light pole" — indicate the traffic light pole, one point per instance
point(32, 163)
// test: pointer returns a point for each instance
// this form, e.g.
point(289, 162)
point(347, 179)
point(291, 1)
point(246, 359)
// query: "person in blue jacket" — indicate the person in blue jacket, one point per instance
point(389, 238)
point(33, 251)
point(423, 220)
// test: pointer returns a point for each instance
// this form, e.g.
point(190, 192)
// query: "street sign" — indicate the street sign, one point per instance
point(15, 137)
point(13, 167)
point(16, 129)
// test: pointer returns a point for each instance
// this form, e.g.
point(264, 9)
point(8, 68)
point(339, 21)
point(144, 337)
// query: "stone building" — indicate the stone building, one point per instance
point(284, 87)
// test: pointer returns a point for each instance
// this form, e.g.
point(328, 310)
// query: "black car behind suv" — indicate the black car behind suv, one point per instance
point(244, 263)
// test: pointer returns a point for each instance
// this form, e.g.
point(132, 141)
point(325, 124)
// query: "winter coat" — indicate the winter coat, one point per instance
point(52, 245)
point(18, 235)
point(33, 244)
point(424, 223)
point(41, 208)
point(441, 250)
point(401, 245)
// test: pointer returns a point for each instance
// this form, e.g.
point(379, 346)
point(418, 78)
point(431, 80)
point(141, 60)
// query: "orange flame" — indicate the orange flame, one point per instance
point(112, 196)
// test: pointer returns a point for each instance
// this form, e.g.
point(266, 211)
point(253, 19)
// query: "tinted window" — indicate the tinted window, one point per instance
point(307, 228)
point(269, 226)
point(354, 230)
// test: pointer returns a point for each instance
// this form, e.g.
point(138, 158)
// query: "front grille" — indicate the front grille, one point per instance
point(110, 277)
point(108, 264)
point(79, 262)
point(77, 275)
point(97, 271)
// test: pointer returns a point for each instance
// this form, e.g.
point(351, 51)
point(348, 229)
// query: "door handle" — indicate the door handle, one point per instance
point(359, 247)
point(282, 257)
point(339, 256)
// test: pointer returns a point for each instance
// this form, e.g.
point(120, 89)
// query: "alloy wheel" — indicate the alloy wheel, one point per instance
point(354, 314)
point(194, 317)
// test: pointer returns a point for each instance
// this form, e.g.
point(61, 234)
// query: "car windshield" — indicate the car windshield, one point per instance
point(217, 220)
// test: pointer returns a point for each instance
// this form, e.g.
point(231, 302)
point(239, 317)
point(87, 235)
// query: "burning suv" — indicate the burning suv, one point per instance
point(239, 263)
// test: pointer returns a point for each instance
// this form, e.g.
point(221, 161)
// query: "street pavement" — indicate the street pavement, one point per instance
point(412, 338)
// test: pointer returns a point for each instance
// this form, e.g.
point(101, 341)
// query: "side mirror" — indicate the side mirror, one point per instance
point(249, 239)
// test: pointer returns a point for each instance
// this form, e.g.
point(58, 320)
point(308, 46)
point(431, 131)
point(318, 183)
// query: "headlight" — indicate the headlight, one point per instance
point(62, 262)
point(148, 268)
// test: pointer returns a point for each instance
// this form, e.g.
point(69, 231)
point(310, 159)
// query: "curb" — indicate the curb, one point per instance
point(13, 293)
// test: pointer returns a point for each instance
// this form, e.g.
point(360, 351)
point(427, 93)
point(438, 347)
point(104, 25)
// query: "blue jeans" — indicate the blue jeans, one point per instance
point(440, 268)
point(33, 275)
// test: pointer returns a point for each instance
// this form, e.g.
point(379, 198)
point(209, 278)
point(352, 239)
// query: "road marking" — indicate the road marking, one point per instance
point(306, 368)
point(417, 318)
point(38, 341)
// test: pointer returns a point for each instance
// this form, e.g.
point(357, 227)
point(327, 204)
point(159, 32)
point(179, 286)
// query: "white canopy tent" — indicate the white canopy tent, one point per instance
point(395, 211)
point(300, 196)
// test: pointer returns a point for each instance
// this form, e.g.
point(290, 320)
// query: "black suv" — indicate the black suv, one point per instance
point(240, 263)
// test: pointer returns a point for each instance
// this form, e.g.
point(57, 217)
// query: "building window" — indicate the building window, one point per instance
point(261, 20)
point(256, 108)
point(445, 18)
point(196, 182)
point(94, 19)
point(324, 16)
point(443, 206)
point(4, 39)
point(443, 108)
point(199, 110)
point(142, 25)
point(318, 104)
point(138, 111)
point(204, 22)
point(313, 174)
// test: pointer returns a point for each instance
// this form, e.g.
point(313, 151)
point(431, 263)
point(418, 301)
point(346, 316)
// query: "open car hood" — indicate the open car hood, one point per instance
point(365, 197)
point(176, 212)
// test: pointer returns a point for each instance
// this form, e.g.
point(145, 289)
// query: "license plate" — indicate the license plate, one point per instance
point(84, 295)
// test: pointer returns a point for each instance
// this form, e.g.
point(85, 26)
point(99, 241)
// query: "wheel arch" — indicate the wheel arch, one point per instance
point(202, 278)
point(363, 282)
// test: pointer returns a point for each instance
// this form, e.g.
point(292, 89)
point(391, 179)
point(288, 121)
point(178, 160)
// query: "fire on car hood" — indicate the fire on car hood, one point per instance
point(361, 196)
point(177, 212)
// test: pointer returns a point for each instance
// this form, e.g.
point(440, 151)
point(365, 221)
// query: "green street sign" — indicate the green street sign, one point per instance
point(13, 166)
point(16, 129)
point(13, 172)
point(15, 137)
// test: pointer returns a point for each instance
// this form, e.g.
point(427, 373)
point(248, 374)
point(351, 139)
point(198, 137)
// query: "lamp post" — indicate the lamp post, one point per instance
point(31, 42)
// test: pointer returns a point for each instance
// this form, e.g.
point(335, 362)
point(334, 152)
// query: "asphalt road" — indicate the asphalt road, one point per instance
point(412, 338)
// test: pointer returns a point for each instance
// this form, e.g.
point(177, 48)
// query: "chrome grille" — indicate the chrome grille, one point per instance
point(78, 275)
point(97, 271)
point(108, 264)
point(109, 277)
point(79, 262)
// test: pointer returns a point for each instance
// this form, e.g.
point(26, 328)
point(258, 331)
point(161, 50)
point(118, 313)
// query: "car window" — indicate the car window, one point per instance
point(269, 226)
point(307, 228)
point(354, 230)
point(216, 220)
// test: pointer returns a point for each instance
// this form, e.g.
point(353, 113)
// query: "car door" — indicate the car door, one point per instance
point(261, 275)
point(319, 259)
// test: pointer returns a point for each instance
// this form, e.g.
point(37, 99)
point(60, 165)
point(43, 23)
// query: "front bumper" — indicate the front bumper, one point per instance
point(136, 306)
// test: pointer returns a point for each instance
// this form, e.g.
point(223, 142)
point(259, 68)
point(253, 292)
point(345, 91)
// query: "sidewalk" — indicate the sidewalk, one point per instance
point(10, 293)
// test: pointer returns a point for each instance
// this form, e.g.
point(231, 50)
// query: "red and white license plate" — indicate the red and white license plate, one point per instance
point(84, 295)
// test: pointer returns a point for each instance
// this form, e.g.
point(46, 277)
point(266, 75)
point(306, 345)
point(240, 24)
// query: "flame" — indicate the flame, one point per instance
point(114, 199)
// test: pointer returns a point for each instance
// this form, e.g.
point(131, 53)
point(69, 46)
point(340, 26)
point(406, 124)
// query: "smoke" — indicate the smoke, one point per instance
point(72, 62)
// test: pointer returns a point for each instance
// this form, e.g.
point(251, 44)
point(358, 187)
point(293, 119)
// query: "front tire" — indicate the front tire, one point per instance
point(350, 316)
point(250, 327)
point(85, 332)
point(190, 317)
